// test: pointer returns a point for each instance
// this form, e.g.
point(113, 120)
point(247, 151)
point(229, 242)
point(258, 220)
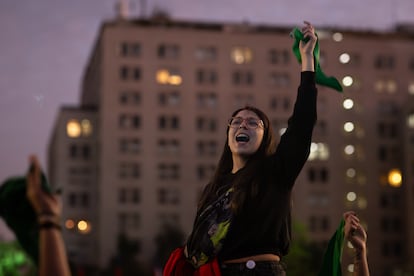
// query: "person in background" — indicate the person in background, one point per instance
point(52, 253)
point(356, 235)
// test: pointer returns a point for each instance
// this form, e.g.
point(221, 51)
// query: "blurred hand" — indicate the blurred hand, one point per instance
point(354, 232)
point(42, 202)
point(306, 48)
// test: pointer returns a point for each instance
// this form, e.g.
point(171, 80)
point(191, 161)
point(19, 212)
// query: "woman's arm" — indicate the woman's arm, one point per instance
point(293, 149)
point(52, 253)
point(356, 234)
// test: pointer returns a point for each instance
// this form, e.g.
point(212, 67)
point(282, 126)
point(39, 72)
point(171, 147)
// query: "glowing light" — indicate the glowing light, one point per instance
point(351, 267)
point(349, 126)
point(69, 224)
point(348, 104)
point(338, 37)
point(351, 196)
point(163, 76)
point(73, 128)
point(344, 58)
point(166, 77)
point(395, 178)
point(175, 80)
point(351, 172)
point(349, 149)
point(347, 81)
point(84, 226)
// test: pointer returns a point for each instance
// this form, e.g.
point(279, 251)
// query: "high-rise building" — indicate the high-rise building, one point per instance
point(156, 97)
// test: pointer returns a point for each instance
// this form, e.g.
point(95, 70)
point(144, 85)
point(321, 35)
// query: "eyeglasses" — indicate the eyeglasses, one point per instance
point(251, 122)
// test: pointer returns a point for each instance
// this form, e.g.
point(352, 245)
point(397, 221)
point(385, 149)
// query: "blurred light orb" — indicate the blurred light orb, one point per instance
point(344, 58)
point(347, 81)
point(348, 104)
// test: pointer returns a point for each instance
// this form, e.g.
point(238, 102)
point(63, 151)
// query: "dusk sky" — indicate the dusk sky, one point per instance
point(45, 45)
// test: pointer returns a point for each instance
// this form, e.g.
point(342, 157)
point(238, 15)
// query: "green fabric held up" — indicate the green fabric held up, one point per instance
point(320, 76)
point(19, 215)
point(331, 264)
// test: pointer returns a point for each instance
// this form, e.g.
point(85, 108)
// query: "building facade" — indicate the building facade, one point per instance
point(150, 128)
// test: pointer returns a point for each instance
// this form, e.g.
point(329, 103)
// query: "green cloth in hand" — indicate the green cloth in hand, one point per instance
point(19, 214)
point(331, 264)
point(320, 76)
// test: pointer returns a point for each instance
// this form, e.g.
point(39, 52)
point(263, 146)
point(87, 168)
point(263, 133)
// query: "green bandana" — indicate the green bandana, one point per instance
point(320, 76)
point(331, 265)
point(19, 215)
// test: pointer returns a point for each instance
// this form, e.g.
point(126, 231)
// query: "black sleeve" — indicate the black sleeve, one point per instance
point(294, 147)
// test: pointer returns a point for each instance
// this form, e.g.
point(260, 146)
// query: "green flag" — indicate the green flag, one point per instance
point(320, 76)
point(331, 264)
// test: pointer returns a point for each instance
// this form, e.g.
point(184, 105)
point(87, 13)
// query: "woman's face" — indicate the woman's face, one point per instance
point(246, 132)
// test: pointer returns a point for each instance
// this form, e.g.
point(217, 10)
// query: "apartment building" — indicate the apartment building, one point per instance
point(149, 130)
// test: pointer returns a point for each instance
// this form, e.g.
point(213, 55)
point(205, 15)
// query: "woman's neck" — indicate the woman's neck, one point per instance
point(238, 163)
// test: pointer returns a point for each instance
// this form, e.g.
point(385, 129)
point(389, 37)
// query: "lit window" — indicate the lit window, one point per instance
point(73, 128)
point(171, 77)
point(86, 127)
point(241, 55)
point(394, 178)
point(319, 151)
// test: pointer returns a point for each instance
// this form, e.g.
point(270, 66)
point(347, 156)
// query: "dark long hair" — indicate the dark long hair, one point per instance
point(248, 177)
